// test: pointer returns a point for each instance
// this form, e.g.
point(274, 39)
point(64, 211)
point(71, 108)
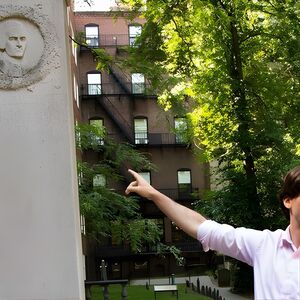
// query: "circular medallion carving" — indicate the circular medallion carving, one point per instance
point(28, 46)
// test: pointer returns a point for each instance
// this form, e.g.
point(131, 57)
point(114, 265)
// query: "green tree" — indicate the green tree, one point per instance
point(108, 211)
point(233, 68)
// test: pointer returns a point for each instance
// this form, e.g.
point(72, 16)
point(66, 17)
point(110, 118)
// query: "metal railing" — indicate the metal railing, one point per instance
point(177, 194)
point(120, 121)
point(91, 40)
point(181, 194)
point(105, 251)
point(94, 89)
point(127, 88)
point(164, 139)
point(152, 139)
point(141, 137)
point(107, 40)
point(156, 139)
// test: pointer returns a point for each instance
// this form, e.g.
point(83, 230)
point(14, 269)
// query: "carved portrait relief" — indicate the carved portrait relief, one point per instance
point(28, 46)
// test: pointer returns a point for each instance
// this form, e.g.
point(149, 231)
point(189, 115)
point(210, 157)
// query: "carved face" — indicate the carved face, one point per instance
point(15, 40)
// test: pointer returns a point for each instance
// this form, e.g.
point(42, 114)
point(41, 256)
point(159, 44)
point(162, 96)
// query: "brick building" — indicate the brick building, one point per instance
point(121, 102)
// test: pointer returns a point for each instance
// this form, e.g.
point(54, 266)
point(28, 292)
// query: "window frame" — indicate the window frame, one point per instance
point(132, 37)
point(146, 172)
point(102, 177)
point(137, 87)
point(98, 140)
point(94, 38)
point(141, 137)
point(94, 89)
point(179, 136)
point(184, 189)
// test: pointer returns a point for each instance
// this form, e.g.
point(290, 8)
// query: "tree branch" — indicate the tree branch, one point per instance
point(80, 44)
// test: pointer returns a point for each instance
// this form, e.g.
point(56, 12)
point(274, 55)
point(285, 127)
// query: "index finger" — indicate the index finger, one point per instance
point(133, 173)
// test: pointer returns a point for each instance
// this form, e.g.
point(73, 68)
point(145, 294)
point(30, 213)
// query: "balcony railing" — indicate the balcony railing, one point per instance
point(181, 194)
point(115, 89)
point(178, 194)
point(157, 139)
point(152, 139)
point(92, 40)
point(94, 89)
point(141, 138)
point(106, 40)
point(105, 251)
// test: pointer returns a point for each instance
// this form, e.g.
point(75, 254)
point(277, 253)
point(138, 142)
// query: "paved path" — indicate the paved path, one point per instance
point(204, 280)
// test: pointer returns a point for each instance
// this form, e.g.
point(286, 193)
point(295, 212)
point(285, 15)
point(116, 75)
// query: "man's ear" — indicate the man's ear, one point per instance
point(287, 202)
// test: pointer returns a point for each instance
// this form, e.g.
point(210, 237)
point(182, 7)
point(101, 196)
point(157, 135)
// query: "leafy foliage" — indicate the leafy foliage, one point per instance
point(233, 68)
point(107, 211)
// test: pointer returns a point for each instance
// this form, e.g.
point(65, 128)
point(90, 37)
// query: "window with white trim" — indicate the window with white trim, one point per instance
point(99, 180)
point(141, 131)
point(76, 90)
point(146, 175)
point(99, 124)
point(82, 224)
point(92, 35)
point(137, 83)
point(94, 83)
point(184, 181)
point(180, 129)
point(134, 32)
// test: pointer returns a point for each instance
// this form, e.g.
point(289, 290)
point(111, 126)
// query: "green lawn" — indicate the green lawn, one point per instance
point(141, 293)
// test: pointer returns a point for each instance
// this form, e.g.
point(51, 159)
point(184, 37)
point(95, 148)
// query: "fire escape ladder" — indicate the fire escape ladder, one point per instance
point(120, 77)
point(117, 117)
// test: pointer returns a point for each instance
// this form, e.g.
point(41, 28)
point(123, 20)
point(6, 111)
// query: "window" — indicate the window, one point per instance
point(80, 178)
point(180, 130)
point(184, 183)
point(92, 35)
point(98, 124)
point(82, 224)
point(94, 83)
point(140, 131)
point(138, 83)
point(134, 32)
point(146, 176)
point(84, 266)
point(75, 90)
point(99, 180)
point(77, 135)
point(74, 46)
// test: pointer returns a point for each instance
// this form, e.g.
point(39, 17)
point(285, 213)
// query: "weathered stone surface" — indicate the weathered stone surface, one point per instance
point(40, 253)
point(42, 51)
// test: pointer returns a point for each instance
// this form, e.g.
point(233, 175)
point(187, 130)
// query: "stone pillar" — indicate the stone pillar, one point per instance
point(40, 252)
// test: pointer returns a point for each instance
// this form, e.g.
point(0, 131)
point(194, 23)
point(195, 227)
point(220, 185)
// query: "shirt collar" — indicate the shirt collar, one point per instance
point(286, 239)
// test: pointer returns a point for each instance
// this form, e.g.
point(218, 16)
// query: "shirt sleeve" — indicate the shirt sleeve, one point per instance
point(239, 243)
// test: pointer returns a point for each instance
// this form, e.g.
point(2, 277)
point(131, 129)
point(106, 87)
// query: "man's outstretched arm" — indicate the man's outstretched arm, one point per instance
point(185, 218)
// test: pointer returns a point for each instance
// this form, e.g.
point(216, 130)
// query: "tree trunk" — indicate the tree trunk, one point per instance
point(244, 137)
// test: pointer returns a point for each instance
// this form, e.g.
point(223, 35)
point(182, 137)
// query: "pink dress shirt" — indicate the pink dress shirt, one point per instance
point(275, 259)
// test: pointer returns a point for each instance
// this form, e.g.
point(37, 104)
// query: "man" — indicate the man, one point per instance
point(275, 256)
point(13, 42)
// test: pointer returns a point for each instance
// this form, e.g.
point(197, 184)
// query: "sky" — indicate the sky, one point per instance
point(97, 5)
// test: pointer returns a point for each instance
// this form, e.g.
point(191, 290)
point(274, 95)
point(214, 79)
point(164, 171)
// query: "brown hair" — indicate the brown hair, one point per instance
point(290, 188)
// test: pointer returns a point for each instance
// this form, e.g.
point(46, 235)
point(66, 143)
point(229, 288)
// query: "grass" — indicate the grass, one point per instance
point(141, 293)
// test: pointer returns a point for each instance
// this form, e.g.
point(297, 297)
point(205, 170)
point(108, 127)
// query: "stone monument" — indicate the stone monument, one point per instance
point(40, 253)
